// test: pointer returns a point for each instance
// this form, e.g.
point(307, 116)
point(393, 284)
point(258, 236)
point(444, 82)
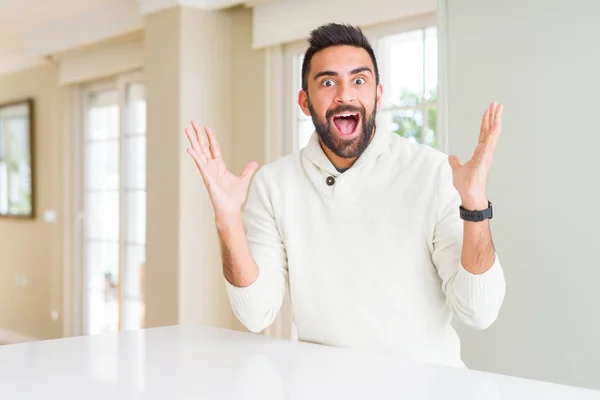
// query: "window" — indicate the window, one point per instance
point(113, 194)
point(299, 125)
point(303, 122)
point(409, 75)
point(408, 68)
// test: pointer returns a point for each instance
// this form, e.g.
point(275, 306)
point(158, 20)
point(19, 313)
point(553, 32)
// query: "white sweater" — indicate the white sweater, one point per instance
point(373, 261)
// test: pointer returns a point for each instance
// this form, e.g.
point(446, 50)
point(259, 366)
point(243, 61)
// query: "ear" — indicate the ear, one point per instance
point(379, 94)
point(303, 102)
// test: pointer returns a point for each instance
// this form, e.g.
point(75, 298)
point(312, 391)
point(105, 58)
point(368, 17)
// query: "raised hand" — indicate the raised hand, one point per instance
point(471, 178)
point(227, 191)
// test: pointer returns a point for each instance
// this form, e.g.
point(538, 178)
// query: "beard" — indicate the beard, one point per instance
point(352, 148)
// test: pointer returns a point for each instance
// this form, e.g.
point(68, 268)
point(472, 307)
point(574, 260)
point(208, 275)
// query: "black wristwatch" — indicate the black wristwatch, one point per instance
point(476, 216)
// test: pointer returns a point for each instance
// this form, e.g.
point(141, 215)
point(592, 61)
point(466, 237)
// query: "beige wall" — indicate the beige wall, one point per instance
point(249, 94)
point(162, 52)
point(197, 65)
point(206, 90)
point(33, 247)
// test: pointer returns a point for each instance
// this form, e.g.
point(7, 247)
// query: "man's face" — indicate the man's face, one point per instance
point(342, 100)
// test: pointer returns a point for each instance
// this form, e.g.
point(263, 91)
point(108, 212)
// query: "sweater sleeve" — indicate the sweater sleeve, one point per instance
point(257, 305)
point(475, 299)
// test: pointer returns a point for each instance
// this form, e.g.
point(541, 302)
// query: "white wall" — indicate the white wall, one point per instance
point(541, 59)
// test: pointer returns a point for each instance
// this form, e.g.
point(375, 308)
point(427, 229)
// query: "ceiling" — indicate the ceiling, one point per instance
point(19, 16)
point(32, 30)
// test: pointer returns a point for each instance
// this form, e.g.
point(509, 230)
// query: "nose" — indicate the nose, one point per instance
point(345, 94)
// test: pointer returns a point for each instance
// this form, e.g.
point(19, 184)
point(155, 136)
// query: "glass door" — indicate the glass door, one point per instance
point(114, 205)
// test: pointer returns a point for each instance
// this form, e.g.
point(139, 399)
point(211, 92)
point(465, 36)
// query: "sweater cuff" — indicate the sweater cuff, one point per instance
point(242, 297)
point(480, 286)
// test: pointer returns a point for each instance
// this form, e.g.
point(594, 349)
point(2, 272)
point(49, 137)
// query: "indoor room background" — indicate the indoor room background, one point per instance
point(105, 224)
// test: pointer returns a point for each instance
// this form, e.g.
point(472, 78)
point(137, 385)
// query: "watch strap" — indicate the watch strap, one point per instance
point(478, 215)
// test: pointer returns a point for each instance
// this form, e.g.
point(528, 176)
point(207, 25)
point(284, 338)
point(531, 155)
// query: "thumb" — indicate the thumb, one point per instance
point(454, 162)
point(249, 170)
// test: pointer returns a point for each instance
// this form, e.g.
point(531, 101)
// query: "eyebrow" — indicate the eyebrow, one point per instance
point(333, 73)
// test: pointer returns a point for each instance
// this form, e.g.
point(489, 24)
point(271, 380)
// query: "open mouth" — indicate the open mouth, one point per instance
point(346, 123)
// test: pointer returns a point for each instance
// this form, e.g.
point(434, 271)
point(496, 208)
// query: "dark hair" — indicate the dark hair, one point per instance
point(335, 34)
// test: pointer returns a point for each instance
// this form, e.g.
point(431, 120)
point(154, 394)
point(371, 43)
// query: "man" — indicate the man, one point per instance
point(381, 241)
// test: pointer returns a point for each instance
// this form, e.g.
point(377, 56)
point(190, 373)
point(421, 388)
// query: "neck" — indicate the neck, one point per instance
point(338, 162)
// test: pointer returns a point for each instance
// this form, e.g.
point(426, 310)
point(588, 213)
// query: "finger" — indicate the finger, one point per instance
point(493, 139)
point(495, 116)
point(454, 162)
point(484, 153)
point(249, 170)
point(201, 164)
point(214, 146)
point(200, 137)
point(194, 143)
point(484, 125)
point(499, 110)
point(492, 116)
point(198, 159)
point(497, 129)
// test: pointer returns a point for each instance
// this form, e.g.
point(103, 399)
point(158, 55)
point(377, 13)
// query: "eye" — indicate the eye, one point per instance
point(360, 81)
point(328, 83)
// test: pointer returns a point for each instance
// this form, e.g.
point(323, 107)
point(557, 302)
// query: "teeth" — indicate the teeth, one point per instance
point(346, 115)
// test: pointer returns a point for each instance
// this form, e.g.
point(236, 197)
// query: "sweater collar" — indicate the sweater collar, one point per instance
point(314, 152)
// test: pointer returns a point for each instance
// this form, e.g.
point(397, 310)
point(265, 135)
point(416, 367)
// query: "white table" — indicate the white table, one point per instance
point(210, 363)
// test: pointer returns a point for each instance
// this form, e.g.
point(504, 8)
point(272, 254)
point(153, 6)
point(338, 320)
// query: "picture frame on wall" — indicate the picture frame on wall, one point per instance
point(17, 194)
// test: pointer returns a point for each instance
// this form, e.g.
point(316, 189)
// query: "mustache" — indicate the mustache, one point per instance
point(346, 108)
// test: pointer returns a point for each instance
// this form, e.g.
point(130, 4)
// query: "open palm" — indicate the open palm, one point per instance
point(227, 191)
point(471, 178)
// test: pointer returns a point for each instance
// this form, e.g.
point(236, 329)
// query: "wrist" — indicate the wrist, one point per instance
point(474, 203)
point(226, 220)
